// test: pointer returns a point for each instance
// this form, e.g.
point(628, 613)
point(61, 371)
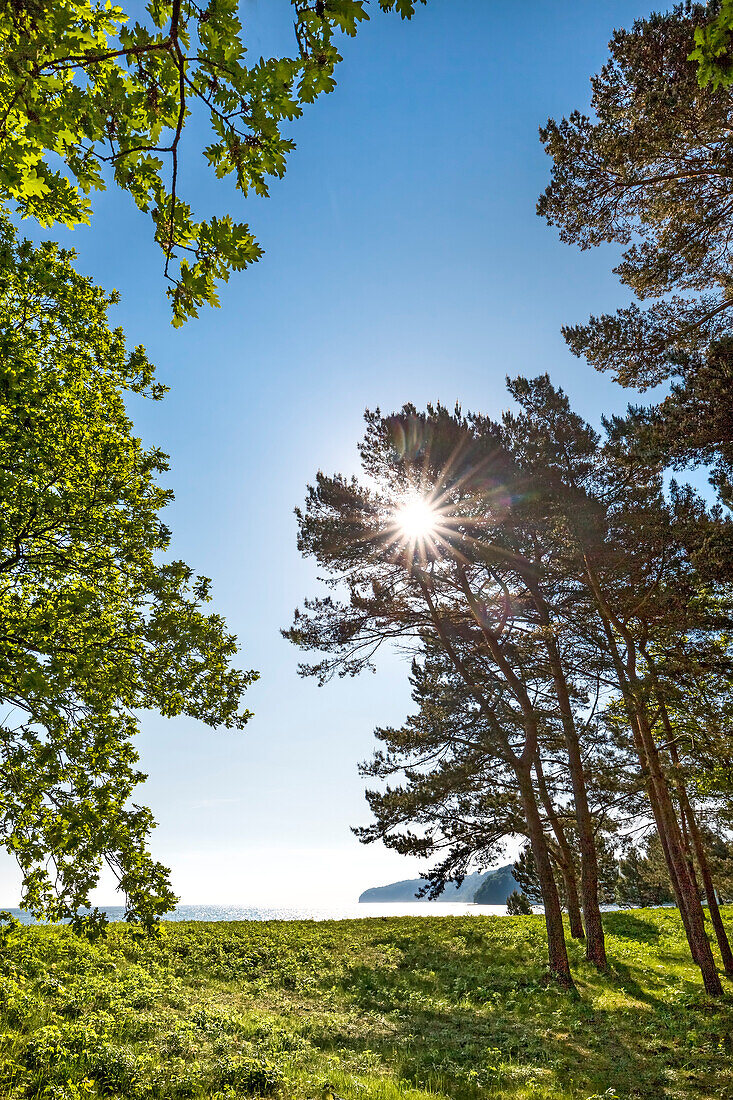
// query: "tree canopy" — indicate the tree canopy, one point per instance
point(649, 170)
point(538, 570)
point(94, 626)
point(88, 94)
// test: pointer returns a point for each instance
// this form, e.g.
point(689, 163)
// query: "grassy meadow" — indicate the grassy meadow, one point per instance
point(377, 1009)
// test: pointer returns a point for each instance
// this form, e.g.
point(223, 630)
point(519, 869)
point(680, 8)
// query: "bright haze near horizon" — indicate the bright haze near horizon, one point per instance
point(403, 262)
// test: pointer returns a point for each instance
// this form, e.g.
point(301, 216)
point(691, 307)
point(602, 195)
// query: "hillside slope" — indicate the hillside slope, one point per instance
point(496, 887)
point(407, 889)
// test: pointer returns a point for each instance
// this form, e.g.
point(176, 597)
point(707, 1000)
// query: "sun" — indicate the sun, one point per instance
point(416, 519)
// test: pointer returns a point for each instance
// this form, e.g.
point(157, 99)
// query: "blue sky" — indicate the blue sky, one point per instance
point(404, 262)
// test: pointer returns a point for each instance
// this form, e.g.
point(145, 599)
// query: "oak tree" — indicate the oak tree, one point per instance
point(95, 626)
point(89, 94)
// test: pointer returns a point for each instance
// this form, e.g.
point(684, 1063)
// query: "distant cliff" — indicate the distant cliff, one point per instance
point(493, 886)
point(496, 887)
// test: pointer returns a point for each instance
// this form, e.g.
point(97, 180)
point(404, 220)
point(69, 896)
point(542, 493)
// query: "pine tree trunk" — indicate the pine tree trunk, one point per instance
point(595, 946)
point(556, 948)
point(702, 862)
point(683, 886)
point(565, 859)
point(661, 802)
point(697, 839)
point(577, 931)
point(695, 923)
point(663, 835)
point(712, 900)
point(522, 765)
point(687, 846)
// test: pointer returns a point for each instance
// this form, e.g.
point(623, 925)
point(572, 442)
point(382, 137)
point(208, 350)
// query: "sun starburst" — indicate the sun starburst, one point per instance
point(416, 519)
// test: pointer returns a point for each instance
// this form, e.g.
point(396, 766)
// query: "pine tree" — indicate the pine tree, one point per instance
point(643, 879)
point(517, 905)
point(650, 171)
point(452, 582)
point(642, 582)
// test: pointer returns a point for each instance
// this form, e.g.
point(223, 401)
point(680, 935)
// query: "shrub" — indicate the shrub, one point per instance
point(255, 1076)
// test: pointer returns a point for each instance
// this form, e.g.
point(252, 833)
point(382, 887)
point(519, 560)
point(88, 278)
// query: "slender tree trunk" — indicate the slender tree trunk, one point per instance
point(703, 952)
point(661, 801)
point(710, 895)
point(662, 831)
point(595, 947)
point(565, 859)
point(522, 766)
point(677, 867)
point(686, 838)
point(697, 842)
point(556, 949)
point(570, 882)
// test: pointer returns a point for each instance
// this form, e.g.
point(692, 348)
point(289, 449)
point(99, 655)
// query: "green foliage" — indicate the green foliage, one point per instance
point(93, 626)
point(720, 855)
point(646, 170)
point(83, 84)
point(693, 425)
point(445, 790)
point(525, 874)
point(518, 905)
point(524, 871)
point(389, 1009)
point(643, 877)
point(494, 885)
point(713, 42)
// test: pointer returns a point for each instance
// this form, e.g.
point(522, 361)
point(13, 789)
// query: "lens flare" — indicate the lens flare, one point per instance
point(416, 519)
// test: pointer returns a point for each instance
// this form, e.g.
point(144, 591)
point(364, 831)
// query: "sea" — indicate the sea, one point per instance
point(344, 911)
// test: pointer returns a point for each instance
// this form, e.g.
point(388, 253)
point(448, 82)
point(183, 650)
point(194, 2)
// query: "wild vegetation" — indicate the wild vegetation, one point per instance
point(386, 1009)
point(568, 606)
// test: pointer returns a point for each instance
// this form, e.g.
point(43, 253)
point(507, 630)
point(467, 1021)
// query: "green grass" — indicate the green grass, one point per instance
point(382, 1009)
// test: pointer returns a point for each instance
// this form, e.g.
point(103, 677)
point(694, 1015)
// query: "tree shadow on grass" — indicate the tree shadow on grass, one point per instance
point(632, 927)
point(479, 1045)
point(475, 1011)
point(626, 979)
